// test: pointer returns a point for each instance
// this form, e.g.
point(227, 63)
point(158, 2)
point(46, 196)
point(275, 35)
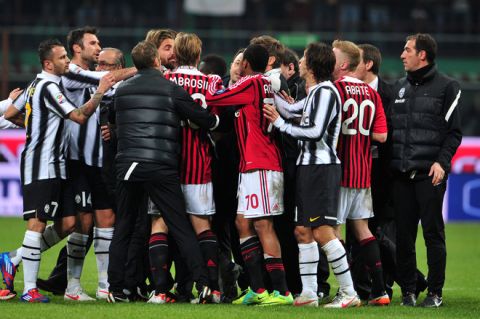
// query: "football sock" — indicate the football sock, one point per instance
point(209, 247)
point(102, 237)
point(336, 256)
point(16, 256)
point(253, 257)
point(49, 238)
point(371, 255)
point(76, 250)
point(31, 255)
point(158, 255)
point(308, 257)
point(276, 272)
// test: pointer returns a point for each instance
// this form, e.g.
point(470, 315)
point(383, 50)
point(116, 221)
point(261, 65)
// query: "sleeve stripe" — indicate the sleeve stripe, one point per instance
point(81, 78)
point(453, 106)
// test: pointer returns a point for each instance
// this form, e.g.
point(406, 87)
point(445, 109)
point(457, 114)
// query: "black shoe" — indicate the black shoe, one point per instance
point(51, 286)
point(432, 300)
point(114, 297)
point(409, 300)
point(205, 295)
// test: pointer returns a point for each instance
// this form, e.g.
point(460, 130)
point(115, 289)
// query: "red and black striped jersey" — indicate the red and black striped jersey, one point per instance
point(195, 164)
point(257, 146)
point(362, 114)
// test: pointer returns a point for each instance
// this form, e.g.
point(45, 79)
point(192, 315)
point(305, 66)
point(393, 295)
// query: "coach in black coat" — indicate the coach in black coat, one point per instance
point(149, 110)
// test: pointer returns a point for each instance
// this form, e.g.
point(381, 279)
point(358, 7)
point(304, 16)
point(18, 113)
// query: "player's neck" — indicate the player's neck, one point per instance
point(369, 78)
point(80, 62)
point(310, 81)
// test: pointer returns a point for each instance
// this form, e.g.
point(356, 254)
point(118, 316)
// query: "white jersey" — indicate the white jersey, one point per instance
point(85, 140)
point(45, 108)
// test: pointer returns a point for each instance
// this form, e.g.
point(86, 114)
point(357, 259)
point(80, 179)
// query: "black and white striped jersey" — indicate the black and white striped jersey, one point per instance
point(46, 109)
point(319, 126)
point(85, 140)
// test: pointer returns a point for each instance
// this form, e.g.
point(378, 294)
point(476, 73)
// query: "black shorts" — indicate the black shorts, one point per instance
point(48, 199)
point(317, 192)
point(89, 190)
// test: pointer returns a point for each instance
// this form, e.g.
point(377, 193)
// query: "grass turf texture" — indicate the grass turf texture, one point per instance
point(461, 293)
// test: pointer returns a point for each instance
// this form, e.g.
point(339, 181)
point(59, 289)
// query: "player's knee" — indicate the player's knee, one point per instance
point(303, 235)
point(263, 226)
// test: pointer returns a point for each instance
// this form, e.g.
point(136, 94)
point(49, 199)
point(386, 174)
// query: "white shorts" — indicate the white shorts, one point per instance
point(260, 193)
point(199, 199)
point(355, 203)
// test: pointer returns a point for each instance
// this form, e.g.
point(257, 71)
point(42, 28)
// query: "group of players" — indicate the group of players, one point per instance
point(304, 150)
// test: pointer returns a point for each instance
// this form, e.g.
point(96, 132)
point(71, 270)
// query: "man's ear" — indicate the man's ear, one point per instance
point(77, 48)
point(271, 60)
point(423, 55)
point(369, 65)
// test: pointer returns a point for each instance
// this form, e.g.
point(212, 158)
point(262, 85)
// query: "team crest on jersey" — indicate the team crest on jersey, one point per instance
point(237, 114)
point(78, 199)
point(46, 208)
point(60, 98)
point(401, 93)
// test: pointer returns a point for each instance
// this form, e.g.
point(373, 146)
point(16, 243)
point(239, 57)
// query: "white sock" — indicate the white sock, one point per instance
point(308, 261)
point(49, 238)
point(16, 256)
point(31, 256)
point(102, 237)
point(76, 250)
point(337, 258)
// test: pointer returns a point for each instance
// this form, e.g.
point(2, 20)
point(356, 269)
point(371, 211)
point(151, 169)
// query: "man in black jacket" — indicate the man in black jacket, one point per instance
point(149, 110)
point(425, 135)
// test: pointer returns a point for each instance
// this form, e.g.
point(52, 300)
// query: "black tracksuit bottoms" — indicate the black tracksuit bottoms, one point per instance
point(167, 195)
point(414, 201)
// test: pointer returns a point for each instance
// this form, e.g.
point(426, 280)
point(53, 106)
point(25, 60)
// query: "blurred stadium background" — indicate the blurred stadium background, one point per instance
point(224, 26)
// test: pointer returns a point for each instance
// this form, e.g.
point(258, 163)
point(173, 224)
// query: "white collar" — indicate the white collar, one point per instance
point(49, 76)
point(374, 84)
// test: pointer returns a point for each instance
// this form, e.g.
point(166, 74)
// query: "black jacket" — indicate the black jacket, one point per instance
point(425, 121)
point(149, 109)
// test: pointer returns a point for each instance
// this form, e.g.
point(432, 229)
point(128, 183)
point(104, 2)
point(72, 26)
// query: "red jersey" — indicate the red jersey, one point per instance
point(195, 165)
point(362, 114)
point(257, 147)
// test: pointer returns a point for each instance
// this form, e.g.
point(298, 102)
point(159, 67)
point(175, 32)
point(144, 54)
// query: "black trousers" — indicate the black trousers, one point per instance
point(414, 201)
point(167, 195)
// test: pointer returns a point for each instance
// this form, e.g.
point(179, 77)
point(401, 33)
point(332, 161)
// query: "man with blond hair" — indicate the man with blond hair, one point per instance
point(363, 120)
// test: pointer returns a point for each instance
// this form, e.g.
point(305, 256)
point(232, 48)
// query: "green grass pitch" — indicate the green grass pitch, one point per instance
point(461, 293)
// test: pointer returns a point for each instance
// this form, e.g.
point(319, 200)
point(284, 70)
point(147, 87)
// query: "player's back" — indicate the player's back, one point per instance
point(196, 147)
point(257, 146)
point(360, 108)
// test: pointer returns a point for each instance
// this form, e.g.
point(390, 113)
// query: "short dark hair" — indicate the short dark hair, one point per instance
point(320, 59)
point(213, 64)
point(76, 36)
point(119, 57)
point(291, 57)
point(274, 47)
point(144, 54)
point(257, 56)
point(45, 49)
point(371, 53)
point(425, 42)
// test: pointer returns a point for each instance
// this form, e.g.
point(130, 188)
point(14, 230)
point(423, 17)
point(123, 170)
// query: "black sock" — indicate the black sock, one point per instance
point(158, 254)
point(209, 247)
point(371, 255)
point(252, 255)
point(276, 272)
